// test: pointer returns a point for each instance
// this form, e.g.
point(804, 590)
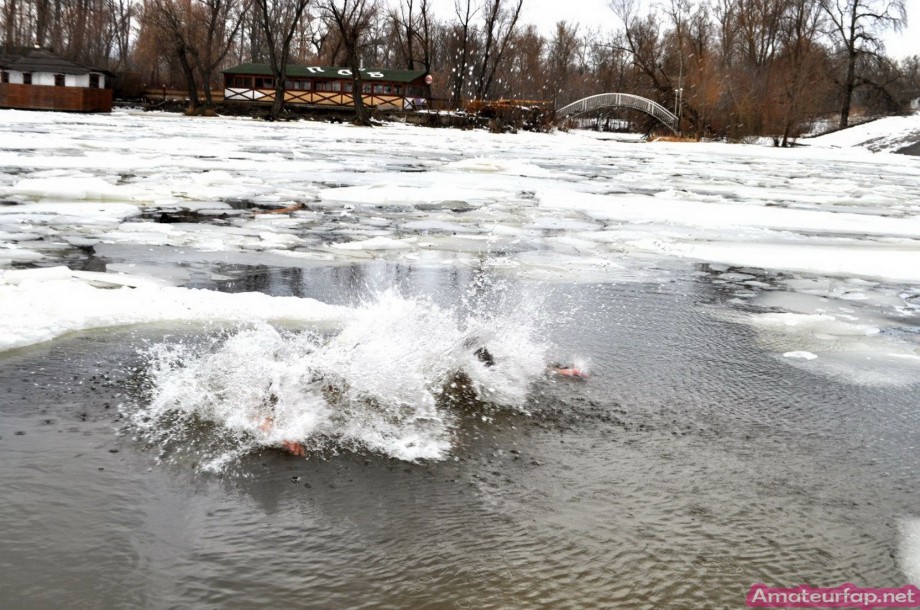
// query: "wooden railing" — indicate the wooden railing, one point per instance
point(154, 94)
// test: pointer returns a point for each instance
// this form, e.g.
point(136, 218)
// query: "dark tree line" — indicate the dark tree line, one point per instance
point(732, 68)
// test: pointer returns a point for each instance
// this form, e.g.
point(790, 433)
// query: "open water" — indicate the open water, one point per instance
point(690, 465)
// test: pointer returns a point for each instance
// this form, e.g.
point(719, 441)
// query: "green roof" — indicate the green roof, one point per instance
point(319, 72)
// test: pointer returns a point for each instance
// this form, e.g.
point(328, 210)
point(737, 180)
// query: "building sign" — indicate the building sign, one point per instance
point(343, 72)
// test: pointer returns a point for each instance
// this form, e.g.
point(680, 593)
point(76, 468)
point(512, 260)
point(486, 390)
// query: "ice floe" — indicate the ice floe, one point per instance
point(42, 304)
point(162, 193)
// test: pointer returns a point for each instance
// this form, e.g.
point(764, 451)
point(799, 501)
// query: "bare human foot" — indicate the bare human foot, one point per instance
point(294, 448)
point(267, 424)
point(568, 372)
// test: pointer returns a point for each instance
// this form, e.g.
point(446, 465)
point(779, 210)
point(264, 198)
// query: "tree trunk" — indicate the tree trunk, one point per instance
point(190, 84)
point(362, 116)
point(278, 102)
point(848, 88)
point(41, 22)
point(461, 77)
point(10, 19)
point(410, 34)
point(464, 53)
point(426, 36)
point(206, 85)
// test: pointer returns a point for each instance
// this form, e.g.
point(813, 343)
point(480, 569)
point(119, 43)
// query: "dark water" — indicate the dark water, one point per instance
point(691, 465)
point(913, 150)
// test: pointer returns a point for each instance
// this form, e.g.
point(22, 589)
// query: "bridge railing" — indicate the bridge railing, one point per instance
point(620, 100)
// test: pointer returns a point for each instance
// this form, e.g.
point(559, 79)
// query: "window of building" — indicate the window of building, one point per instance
point(297, 85)
point(4, 77)
point(93, 81)
point(59, 80)
point(328, 85)
point(238, 81)
point(26, 78)
point(265, 82)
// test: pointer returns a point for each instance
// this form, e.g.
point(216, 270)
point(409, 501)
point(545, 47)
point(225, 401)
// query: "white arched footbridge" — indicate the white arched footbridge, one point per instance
point(620, 100)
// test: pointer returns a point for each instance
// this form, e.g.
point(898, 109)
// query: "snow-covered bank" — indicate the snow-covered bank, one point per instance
point(889, 134)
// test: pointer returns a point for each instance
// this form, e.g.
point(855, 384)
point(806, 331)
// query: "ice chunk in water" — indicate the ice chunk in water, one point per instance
point(800, 355)
point(909, 550)
point(69, 188)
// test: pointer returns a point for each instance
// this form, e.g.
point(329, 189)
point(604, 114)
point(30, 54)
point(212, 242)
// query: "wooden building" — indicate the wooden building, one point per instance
point(329, 87)
point(36, 79)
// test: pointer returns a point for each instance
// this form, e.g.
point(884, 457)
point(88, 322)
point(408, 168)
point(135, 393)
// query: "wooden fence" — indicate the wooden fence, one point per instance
point(42, 97)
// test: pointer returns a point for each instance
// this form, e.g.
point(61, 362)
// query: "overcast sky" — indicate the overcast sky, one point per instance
point(596, 14)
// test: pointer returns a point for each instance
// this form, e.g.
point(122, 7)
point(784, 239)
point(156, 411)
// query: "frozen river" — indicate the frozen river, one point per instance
point(749, 317)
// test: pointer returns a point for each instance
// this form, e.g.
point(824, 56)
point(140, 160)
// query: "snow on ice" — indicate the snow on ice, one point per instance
point(821, 243)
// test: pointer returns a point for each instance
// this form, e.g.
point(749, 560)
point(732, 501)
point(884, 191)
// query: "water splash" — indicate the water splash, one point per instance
point(388, 382)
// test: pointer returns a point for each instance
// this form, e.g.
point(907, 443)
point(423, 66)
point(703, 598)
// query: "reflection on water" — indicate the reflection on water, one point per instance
point(691, 465)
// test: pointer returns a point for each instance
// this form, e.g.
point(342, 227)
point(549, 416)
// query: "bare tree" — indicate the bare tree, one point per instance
point(700, 82)
point(411, 25)
point(403, 22)
point(641, 39)
point(799, 63)
point(498, 30)
point(172, 18)
point(528, 74)
point(855, 27)
point(280, 20)
point(465, 11)
point(423, 31)
point(213, 41)
point(124, 13)
point(750, 44)
point(200, 33)
point(352, 20)
point(10, 14)
point(561, 58)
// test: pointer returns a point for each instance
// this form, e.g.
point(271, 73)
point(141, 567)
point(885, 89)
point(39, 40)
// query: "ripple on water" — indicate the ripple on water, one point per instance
point(667, 480)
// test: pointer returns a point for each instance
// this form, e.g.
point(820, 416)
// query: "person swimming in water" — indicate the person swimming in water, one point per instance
point(567, 371)
point(555, 369)
point(458, 390)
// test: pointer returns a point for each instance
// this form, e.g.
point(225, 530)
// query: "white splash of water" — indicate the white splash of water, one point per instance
point(384, 383)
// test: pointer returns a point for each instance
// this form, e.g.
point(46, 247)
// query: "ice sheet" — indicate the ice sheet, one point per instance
point(42, 304)
point(160, 190)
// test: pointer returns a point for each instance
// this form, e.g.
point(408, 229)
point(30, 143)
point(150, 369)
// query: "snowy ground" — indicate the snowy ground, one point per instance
point(819, 243)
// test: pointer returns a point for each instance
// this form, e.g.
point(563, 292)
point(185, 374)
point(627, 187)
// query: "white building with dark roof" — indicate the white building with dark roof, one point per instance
point(36, 79)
